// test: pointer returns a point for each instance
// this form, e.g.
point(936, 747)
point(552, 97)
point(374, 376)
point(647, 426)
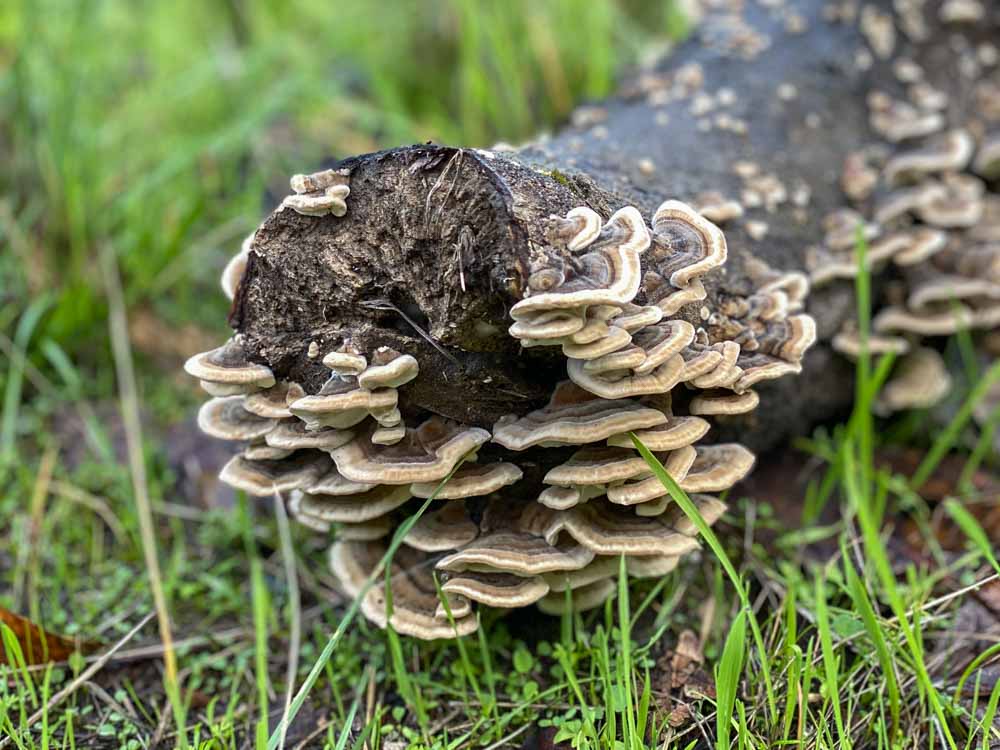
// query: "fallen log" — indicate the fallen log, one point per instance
point(409, 307)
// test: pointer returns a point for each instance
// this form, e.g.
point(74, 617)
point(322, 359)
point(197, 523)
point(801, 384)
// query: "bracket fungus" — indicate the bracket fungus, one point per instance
point(542, 501)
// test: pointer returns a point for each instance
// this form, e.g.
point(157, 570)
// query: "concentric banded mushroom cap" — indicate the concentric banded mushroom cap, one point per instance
point(471, 480)
point(441, 530)
point(345, 362)
point(596, 464)
point(358, 508)
point(693, 245)
point(226, 419)
point(615, 339)
point(677, 465)
point(608, 529)
point(717, 468)
point(711, 403)
point(501, 590)
point(920, 379)
point(661, 342)
point(610, 271)
point(659, 380)
point(634, 318)
point(389, 369)
point(948, 152)
point(295, 435)
point(675, 433)
point(341, 404)
point(518, 553)
point(848, 342)
point(426, 454)
point(551, 325)
point(365, 531)
point(414, 597)
point(261, 451)
point(273, 402)
point(574, 417)
point(228, 365)
point(264, 478)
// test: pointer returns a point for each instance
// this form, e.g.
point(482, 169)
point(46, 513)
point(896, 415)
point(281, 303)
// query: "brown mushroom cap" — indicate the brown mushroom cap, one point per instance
point(471, 480)
point(366, 531)
point(226, 419)
point(677, 465)
point(608, 529)
point(273, 402)
point(675, 433)
point(389, 369)
point(723, 402)
point(345, 362)
point(948, 152)
point(518, 553)
point(293, 435)
point(228, 365)
point(611, 271)
point(574, 417)
point(920, 379)
point(364, 506)
point(659, 380)
point(341, 404)
point(596, 464)
point(695, 244)
point(501, 590)
point(414, 596)
point(848, 343)
point(334, 483)
point(441, 530)
point(717, 468)
point(260, 451)
point(426, 454)
point(615, 339)
point(662, 342)
point(264, 478)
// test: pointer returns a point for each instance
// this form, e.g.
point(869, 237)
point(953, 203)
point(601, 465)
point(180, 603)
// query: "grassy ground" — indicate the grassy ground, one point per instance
point(137, 144)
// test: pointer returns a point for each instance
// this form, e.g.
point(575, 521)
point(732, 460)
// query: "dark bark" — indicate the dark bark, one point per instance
point(433, 250)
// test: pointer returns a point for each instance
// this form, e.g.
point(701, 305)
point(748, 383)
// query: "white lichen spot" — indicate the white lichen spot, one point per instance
point(757, 229)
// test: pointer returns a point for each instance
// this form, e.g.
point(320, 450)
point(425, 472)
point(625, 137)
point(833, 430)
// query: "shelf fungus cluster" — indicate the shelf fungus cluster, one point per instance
point(540, 507)
point(929, 217)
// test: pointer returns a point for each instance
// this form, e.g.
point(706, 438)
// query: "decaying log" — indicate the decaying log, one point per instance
point(436, 238)
point(406, 310)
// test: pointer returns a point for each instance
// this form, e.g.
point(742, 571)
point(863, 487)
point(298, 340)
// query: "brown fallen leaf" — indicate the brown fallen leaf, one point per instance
point(38, 646)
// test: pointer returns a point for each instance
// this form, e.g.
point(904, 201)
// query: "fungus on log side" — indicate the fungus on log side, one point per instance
point(507, 317)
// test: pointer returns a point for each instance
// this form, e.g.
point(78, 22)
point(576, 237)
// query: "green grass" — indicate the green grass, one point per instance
point(152, 136)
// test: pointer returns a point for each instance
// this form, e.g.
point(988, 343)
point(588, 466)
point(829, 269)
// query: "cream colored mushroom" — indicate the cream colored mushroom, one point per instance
point(574, 417)
point(426, 454)
point(226, 419)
